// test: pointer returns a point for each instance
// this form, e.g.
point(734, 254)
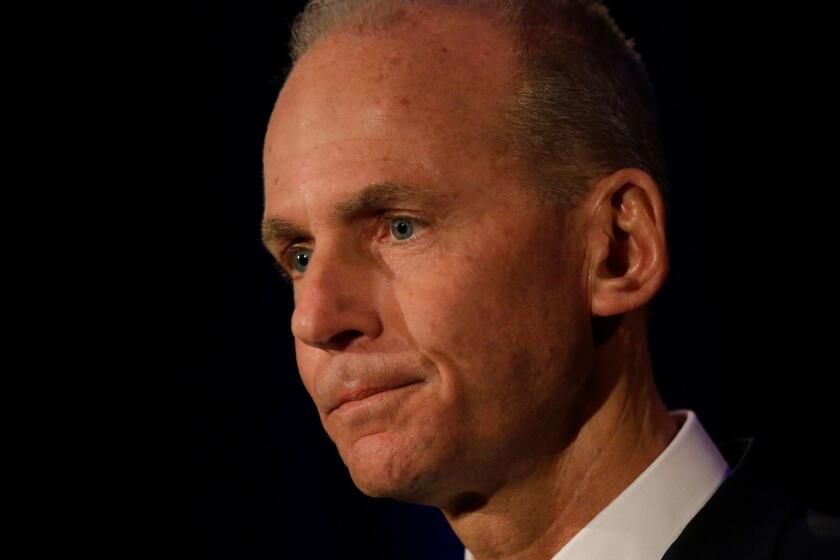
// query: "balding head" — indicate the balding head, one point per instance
point(581, 104)
point(409, 76)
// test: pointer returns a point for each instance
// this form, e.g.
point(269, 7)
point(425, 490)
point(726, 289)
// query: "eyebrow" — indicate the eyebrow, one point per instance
point(385, 195)
point(274, 229)
point(374, 197)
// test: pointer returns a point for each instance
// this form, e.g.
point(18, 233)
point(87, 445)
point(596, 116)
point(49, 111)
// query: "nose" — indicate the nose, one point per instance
point(335, 305)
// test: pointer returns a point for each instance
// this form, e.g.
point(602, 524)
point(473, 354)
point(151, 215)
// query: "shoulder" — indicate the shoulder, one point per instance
point(809, 534)
point(755, 515)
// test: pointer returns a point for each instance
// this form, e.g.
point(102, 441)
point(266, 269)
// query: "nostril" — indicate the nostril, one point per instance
point(343, 339)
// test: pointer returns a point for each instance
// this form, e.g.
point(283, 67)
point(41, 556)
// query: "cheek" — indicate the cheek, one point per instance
point(465, 314)
point(461, 298)
point(500, 317)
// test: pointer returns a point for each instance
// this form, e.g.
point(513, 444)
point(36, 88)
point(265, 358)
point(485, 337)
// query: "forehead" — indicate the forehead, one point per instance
point(426, 83)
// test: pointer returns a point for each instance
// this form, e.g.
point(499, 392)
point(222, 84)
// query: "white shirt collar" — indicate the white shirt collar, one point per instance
point(648, 516)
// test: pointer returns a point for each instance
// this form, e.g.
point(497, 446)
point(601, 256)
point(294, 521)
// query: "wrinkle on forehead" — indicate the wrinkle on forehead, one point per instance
point(308, 166)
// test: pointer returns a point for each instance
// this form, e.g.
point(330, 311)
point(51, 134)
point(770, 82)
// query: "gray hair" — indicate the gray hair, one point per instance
point(583, 105)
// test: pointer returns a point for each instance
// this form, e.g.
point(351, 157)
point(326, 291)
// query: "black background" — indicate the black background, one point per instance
point(235, 463)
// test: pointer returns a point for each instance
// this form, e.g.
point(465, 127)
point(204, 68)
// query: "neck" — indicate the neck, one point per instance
point(533, 516)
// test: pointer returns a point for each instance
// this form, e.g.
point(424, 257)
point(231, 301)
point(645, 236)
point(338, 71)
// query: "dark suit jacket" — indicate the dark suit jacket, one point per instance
point(753, 515)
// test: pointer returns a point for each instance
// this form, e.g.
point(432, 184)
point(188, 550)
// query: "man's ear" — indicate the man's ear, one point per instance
point(626, 246)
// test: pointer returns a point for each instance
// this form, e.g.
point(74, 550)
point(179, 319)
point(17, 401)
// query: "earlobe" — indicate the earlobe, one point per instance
point(628, 253)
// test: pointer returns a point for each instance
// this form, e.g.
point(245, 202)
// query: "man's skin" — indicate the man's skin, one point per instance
point(514, 331)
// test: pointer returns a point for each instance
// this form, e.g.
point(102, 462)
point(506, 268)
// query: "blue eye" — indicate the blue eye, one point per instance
point(402, 228)
point(300, 258)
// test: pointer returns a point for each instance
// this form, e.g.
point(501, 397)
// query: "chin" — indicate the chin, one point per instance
point(389, 465)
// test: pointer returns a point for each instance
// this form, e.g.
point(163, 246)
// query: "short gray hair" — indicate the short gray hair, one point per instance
point(583, 105)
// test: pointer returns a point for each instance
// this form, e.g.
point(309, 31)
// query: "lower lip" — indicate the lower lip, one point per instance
point(377, 398)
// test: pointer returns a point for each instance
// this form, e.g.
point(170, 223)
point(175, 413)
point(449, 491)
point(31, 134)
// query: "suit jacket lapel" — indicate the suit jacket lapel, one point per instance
point(744, 516)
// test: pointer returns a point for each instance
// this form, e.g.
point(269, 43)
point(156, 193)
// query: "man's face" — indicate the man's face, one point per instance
point(424, 271)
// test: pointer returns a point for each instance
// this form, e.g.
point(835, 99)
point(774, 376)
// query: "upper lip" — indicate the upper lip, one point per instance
point(367, 390)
